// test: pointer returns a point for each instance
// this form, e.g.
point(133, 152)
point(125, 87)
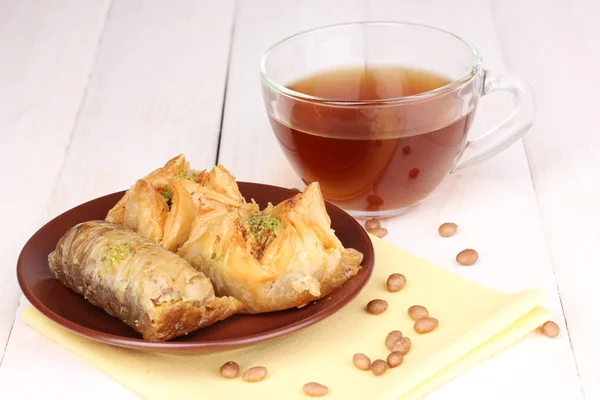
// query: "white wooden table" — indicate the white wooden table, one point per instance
point(96, 93)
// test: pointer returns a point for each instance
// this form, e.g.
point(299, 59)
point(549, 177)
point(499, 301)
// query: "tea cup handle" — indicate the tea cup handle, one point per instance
point(511, 129)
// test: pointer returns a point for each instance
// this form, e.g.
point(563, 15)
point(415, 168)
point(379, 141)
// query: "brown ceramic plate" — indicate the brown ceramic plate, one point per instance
point(68, 309)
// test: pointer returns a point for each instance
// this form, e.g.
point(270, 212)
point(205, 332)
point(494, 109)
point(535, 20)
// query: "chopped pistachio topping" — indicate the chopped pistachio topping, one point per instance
point(260, 222)
point(168, 195)
point(186, 174)
point(117, 253)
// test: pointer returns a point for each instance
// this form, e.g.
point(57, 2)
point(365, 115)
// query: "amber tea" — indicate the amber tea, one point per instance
point(371, 158)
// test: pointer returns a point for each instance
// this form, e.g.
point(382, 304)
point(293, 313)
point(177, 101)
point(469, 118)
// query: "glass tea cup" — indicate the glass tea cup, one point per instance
point(379, 112)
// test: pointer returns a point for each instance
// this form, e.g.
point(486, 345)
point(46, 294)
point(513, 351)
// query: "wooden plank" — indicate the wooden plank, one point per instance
point(42, 87)
point(562, 149)
point(60, 373)
point(248, 145)
point(156, 90)
point(494, 202)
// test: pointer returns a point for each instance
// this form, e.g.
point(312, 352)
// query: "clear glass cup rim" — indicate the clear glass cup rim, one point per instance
point(473, 71)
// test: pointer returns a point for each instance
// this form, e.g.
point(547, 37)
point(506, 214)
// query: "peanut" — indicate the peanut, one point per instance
point(255, 374)
point(550, 329)
point(315, 389)
point(372, 223)
point(426, 325)
point(379, 367)
point(394, 359)
point(377, 306)
point(361, 361)
point(402, 346)
point(372, 207)
point(413, 173)
point(229, 370)
point(374, 199)
point(396, 282)
point(448, 229)
point(467, 257)
point(392, 338)
point(379, 232)
point(417, 312)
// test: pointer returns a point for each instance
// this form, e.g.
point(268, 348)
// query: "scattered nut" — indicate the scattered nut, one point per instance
point(467, 257)
point(315, 389)
point(374, 199)
point(406, 149)
point(255, 374)
point(379, 232)
point(396, 282)
point(394, 359)
point(413, 173)
point(448, 229)
point(417, 312)
point(392, 338)
point(379, 367)
point(372, 207)
point(550, 329)
point(402, 346)
point(372, 223)
point(377, 306)
point(229, 370)
point(361, 361)
point(426, 325)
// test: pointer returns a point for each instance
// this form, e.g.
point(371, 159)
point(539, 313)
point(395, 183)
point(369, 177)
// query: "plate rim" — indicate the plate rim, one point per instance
point(174, 346)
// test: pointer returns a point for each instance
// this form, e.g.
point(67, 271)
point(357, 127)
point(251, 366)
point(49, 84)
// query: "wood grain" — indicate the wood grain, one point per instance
point(156, 89)
point(494, 203)
point(558, 52)
point(85, 110)
point(248, 146)
point(59, 374)
point(42, 87)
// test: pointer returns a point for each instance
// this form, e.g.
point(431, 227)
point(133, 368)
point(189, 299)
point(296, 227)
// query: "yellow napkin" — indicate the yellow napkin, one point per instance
point(475, 322)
